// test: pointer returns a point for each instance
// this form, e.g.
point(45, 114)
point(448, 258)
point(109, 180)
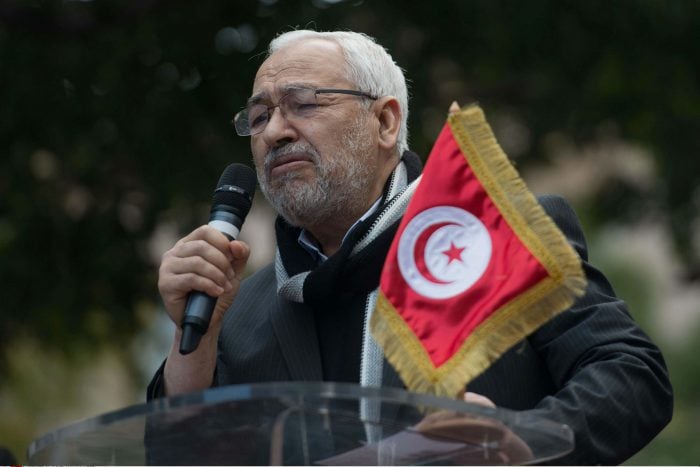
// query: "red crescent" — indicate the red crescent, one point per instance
point(419, 251)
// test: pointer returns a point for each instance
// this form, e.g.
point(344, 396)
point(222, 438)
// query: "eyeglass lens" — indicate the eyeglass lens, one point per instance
point(296, 103)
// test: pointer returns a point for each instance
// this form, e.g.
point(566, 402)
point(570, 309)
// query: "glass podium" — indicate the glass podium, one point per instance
point(305, 424)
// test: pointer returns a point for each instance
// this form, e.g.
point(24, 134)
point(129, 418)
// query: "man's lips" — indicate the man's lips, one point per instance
point(289, 162)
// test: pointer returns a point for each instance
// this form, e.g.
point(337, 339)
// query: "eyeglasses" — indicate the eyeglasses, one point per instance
point(297, 103)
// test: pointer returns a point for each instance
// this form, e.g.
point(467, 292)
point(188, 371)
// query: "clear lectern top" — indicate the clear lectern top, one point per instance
point(305, 424)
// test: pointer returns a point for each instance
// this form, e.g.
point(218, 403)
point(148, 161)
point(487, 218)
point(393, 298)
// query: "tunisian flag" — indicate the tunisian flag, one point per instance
point(475, 266)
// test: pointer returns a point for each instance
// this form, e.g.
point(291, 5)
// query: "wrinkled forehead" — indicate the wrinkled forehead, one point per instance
point(309, 63)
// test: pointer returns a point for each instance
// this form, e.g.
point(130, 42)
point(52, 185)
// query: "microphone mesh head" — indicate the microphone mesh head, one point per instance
point(239, 175)
point(236, 188)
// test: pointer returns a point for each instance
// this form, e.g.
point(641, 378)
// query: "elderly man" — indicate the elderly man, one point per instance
point(327, 121)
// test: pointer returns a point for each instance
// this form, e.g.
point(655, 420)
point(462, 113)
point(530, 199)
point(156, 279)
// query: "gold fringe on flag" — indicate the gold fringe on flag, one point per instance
point(516, 319)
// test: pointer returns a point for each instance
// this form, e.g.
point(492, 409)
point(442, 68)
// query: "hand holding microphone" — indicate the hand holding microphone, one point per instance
point(198, 261)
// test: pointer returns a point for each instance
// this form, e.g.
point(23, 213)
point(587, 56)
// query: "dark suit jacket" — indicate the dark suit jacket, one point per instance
point(591, 367)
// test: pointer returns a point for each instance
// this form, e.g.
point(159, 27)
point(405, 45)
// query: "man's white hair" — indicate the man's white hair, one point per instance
point(368, 65)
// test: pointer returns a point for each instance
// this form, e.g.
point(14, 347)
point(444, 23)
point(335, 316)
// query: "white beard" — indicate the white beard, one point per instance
point(339, 191)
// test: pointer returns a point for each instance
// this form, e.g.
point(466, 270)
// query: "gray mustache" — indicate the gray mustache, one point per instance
point(291, 148)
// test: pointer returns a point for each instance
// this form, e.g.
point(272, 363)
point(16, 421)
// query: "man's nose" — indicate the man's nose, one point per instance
point(278, 131)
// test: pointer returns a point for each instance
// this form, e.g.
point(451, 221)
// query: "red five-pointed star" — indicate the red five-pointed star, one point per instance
point(453, 253)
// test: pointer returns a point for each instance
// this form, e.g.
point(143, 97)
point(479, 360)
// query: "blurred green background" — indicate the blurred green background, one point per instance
point(115, 125)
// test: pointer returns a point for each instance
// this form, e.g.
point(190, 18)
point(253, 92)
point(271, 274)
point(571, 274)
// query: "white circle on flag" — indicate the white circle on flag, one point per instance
point(443, 251)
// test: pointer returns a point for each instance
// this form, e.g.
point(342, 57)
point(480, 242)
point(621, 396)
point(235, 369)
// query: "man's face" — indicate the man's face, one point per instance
point(317, 168)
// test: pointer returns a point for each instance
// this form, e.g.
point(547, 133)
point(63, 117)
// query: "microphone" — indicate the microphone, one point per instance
point(232, 199)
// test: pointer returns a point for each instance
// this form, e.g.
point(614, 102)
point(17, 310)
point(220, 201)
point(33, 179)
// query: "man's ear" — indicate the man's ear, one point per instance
point(388, 113)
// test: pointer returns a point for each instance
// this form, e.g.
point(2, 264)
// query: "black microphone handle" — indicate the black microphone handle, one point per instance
point(195, 324)
point(200, 306)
